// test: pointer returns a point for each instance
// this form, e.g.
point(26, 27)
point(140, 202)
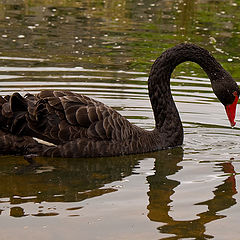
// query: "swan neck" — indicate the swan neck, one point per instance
point(165, 112)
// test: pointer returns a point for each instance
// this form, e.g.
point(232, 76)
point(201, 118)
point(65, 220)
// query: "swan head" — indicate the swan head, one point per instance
point(227, 91)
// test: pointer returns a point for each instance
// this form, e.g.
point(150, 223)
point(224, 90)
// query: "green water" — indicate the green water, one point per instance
point(105, 49)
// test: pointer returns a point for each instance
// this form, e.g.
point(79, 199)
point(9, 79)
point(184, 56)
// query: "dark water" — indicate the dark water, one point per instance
point(104, 49)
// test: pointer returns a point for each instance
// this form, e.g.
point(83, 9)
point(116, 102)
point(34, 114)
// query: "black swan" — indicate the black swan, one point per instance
point(78, 126)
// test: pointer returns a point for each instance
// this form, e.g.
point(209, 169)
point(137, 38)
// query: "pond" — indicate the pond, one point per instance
point(105, 49)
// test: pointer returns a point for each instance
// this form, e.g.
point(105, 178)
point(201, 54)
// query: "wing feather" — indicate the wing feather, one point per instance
point(61, 116)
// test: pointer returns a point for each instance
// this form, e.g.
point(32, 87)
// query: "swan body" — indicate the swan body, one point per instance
point(79, 126)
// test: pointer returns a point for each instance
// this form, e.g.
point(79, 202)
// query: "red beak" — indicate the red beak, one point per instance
point(231, 111)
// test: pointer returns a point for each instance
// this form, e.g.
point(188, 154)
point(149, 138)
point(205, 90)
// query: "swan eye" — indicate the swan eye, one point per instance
point(235, 94)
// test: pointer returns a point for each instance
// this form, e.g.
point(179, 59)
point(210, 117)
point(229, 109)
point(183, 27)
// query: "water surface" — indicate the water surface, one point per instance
point(104, 49)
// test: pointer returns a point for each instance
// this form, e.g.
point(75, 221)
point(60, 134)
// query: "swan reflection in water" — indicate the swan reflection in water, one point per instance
point(161, 188)
point(71, 180)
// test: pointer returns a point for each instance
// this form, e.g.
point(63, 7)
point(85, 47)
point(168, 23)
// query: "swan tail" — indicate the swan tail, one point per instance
point(13, 112)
